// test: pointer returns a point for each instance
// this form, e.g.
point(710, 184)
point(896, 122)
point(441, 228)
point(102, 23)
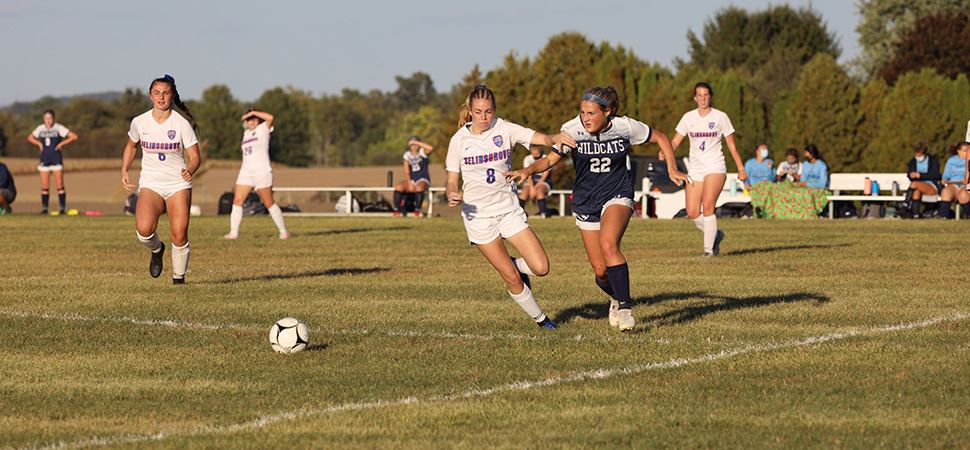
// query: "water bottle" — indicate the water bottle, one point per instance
point(895, 188)
point(867, 187)
point(875, 188)
point(734, 188)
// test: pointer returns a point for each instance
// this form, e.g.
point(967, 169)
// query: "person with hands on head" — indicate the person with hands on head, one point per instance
point(480, 154)
point(50, 138)
point(706, 126)
point(603, 189)
point(165, 182)
point(256, 172)
point(417, 177)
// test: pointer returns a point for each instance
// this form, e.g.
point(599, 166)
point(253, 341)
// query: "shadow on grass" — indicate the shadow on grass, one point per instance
point(316, 347)
point(710, 304)
point(354, 230)
point(751, 251)
point(311, 274)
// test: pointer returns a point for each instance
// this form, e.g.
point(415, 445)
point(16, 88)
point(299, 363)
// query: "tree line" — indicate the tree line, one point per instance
point(774, 72)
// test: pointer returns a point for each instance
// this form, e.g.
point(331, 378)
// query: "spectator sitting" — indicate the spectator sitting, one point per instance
point(954, 179)
point(815, 173)
point(790, 169)
point(924, 177)
point(759, 168)
point(8, 192)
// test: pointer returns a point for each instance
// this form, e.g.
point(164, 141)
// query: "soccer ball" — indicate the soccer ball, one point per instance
point(289, 335)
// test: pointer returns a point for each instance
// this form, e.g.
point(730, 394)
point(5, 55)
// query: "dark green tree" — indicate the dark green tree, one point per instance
point(218, 114)
point(290, 142)
point(940, 41)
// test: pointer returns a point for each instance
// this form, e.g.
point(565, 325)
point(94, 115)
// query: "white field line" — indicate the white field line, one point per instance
point(597, 374)
point(550, 336)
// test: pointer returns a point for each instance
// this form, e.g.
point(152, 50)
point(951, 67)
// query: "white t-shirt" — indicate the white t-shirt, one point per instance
point(705, 135)
point(255, 150)
point(481, 160)
point(162, 146)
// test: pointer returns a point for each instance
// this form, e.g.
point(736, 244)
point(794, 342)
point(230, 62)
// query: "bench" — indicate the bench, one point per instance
point(839, 182)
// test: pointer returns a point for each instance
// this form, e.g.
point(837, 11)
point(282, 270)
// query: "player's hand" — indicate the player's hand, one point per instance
point(58, 148)
point(124, 181)
point(677, 176)
point(914, 174)
point(454, 198)
point(186, 175)
point(517, 176)
point(563, 138)
point(412, 142)
point(742, 175)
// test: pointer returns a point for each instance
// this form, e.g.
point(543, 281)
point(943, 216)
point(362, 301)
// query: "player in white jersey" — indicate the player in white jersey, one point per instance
point(603, 190)
point(417, 177)
point(165, 184)
point(256, 172)
point(537, 186)
point(50, 138)
point(479, 153)
point(706, 126)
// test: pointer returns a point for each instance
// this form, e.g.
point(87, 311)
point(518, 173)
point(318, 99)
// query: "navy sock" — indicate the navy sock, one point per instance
point(945, 210)
point(605, 286)
point(542, 205)
point(45, 198)
point(620, 282)
point(963, 209)
point(398, 201)
point(914, 206)
point(521, 203)
point(62, 197)
point(418, 201)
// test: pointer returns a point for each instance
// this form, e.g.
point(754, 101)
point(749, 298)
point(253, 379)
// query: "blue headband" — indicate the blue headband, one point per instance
point(597, 99)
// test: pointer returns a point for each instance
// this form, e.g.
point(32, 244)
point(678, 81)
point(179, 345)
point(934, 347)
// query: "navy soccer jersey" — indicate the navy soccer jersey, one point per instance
point(419, 165)
point(50, 137)
point(600, 161)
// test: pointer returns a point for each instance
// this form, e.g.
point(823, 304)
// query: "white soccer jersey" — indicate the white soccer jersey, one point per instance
point(255, 150)
point(161, 147)
point(705, 135)
point(481, 160)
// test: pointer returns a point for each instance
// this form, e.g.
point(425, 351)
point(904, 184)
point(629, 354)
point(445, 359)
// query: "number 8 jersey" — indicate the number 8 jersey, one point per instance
point(481, 160)
point(600, 161)
point(161, 148)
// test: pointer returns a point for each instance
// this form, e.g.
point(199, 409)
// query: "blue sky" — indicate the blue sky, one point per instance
point(62, 47)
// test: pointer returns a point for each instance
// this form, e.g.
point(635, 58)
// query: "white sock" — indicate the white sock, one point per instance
point(528, 303)
point(699, 221)
point(235, 219)
point(710, 232)
point(180, 260)
point(151, 242)
point(277, 214)
point(523, 267)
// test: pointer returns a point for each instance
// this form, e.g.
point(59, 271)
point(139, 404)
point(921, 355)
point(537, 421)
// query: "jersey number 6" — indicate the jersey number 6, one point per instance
point(161, 157)
point(599, 165)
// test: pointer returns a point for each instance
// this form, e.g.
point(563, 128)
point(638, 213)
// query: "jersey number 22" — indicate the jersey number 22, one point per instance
point(599, 165)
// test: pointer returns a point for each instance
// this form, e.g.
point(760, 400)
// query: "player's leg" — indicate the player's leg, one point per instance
point(613, 224)
point(147, 211)
point(45, 190)
point(540, 193)
point(963, 197)
point(178, 217)
point(524, 192)
point(236, 215)
point(400, 189)
point(266, 195)
point(946, 199)
point(713, 184)
point(419, 189)
point(534, 260)
point(499, 258)
point(61, 193)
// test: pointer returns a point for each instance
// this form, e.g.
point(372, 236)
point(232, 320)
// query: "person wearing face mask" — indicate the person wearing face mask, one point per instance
point(924, 177)
point(790, 169)
point(815, 173)
point(955, 179)
point(759, 168)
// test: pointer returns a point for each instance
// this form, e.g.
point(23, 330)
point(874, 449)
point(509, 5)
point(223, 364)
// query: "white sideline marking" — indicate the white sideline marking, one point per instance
point(363, 332)
point(597, 374)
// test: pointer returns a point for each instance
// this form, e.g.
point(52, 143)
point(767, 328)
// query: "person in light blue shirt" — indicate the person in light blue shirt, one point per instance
point(815, 173)
point(955, 179)
point(759, 168)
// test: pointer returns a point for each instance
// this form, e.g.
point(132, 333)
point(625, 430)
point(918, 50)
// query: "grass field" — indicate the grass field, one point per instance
point(833, 334)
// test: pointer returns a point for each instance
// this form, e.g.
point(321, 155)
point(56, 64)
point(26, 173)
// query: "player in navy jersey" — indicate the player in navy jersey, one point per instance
point(478, 154)
point(603, 189)
point(165, 183)
point(417, 177)
point(51, 138)
point(706, 126)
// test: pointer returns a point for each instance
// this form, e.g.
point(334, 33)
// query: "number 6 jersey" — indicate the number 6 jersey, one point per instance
point(161, 147)
point(600, 161)
point(481, 160)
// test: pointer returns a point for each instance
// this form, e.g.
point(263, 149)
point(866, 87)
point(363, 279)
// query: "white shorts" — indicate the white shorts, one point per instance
point(165, 190)
point(698, 170)
point(591, 222)
point(256, 181)
point(420, 180)
point(482, 230)
point(43, 168)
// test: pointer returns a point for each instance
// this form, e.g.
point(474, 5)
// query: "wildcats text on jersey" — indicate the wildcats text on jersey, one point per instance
point(491, 157)
point(161, 145)
point(602, 148)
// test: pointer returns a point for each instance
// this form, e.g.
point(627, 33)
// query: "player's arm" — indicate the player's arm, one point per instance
point(33, 140)
point(539, 165)
point(428, 148)
point(675, 142)
point(545, 175)
point(195, 160)
point(126, 160)
point(667, 148)
point(71, 137)
point(267, 117)
point(451, 189)
point(742, 174)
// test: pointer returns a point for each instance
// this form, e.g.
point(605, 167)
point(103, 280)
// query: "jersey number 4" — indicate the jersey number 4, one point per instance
point(599, 165)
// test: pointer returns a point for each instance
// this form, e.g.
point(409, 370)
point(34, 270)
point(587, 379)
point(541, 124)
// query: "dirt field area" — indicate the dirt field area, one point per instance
point(95, 185)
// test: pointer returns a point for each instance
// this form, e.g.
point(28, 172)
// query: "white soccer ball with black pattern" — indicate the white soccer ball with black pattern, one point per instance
point(289, 335)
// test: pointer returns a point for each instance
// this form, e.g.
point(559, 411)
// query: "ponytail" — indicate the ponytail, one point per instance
point(176, 100)
point(465, 110)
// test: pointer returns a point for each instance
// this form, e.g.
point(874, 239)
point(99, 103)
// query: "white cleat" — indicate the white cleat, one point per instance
point(284, 235)
point(614, 313)
point(626, 321)
point(230, 236)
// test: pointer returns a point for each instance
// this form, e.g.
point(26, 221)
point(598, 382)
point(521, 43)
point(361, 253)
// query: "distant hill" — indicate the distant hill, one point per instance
point(19, 107)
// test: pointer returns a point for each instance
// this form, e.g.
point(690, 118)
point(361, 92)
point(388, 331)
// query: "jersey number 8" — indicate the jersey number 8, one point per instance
point(490, 176)
point(599, 165)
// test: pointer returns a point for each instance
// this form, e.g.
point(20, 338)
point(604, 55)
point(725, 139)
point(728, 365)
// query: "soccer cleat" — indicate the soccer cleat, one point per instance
point(284, 235)
point(547, 323)
point(155, 267)
point(717, 242)
point(707, 255)
point(524, 277)
point(178, 280)
point(417, 214)
point(614, 313)
point(43, 211)
point(625, 319)
point(230, 236)
point(397, 213)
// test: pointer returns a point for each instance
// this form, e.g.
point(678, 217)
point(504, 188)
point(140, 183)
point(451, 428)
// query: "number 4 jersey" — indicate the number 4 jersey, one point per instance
point(161, 147)
point(600, 161)
point(481, 160)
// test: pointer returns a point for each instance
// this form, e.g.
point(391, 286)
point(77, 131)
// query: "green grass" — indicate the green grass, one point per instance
point(785, 340)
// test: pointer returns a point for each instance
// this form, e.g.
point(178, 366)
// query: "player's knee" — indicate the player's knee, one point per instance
point(179, 238)
point(541, 268)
